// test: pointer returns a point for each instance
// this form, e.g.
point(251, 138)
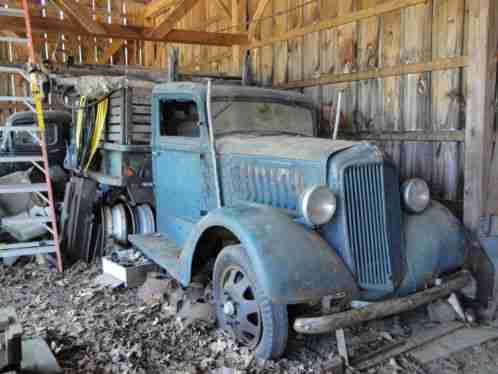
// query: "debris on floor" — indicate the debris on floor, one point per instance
point(162, 328)
point(28, 355)
point(441, 311)
point(10, 339)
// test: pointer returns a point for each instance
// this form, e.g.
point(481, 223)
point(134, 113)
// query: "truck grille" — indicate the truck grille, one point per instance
point(373, 213)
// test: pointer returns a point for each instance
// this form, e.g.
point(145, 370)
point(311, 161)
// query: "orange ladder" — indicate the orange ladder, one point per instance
point(40, 162)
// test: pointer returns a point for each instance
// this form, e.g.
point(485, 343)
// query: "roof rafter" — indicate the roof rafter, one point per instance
point(179, 11)
point(158, 7)
point(258, 14)
point(47, 25)
point(81, 15)
point(221, 4)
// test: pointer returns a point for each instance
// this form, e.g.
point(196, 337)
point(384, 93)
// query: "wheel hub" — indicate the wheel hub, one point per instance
point(240, 307)
point(229, 309)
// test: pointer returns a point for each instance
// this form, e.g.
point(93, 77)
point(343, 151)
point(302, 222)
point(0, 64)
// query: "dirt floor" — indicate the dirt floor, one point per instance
point(97, 330)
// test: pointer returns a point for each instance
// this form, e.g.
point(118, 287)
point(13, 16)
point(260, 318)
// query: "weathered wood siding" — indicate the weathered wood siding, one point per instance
point(402, 106)
point(362, 56)
point(428, 102)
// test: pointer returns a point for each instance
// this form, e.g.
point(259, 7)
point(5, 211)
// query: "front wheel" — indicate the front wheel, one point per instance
point(243, 309)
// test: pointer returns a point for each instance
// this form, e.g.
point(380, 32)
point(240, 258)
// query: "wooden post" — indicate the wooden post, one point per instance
point(236, 51)
point(480, 122)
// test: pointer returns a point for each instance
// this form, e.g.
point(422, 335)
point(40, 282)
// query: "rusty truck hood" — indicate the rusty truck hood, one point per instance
point(281, 146)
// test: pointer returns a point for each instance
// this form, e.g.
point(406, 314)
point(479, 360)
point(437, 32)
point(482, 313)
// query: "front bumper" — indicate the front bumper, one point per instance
point(332, 322)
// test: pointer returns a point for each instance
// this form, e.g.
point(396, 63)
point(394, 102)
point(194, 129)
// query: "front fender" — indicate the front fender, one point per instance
point(293, 264)
point(435, 244)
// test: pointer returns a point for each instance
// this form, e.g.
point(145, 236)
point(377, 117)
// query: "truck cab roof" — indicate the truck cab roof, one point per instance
point(232, 91)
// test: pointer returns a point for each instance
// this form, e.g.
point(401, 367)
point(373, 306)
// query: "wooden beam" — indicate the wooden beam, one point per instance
point(115, 46)
point(20, 49)
point(207, 61)
point(391, 71)
point(457, 136)
point(352, 17)
point(236, 51)
point(260, 10)
point(53, 25)
point(480, 120)
point(158, 7)
point(226, 10)
point(81, 15)
point(176, 14)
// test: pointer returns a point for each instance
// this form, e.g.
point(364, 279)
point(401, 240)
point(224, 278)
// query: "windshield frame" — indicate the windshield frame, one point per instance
point(256, 99)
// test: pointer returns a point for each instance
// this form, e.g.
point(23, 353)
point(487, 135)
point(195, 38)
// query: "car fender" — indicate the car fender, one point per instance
point(293, 263)
point(435, 244)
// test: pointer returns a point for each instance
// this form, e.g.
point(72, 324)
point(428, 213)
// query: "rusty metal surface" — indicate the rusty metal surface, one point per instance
point(323, 324)
point(287, 147)
point(299, 268)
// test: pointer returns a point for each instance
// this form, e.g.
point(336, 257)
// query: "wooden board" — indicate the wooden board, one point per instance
point(448, 101)
point(454, 343)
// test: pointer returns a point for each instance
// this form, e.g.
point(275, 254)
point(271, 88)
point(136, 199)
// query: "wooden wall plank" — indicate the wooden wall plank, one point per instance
point(311, 42)
point(347, 61)
point(295, 46)
point(267, 64)
point(448, 104)
point(480, 119)
point(328, 10)
point(280, 49)
point(369, 113)
point(417, 158)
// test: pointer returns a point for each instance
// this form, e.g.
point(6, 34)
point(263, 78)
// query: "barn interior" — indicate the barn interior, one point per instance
point(261, 186)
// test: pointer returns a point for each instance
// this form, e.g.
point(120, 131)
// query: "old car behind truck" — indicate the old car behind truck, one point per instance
point(22, 143)
point(241, 180)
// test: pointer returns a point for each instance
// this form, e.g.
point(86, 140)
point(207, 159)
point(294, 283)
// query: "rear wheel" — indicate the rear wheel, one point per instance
point(243, 309)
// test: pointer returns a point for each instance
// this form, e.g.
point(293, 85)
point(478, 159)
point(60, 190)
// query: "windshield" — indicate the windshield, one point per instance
point(261, 117)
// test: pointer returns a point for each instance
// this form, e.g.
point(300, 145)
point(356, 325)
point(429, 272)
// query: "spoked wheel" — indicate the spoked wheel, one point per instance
point(244, 310)
point(240, 308)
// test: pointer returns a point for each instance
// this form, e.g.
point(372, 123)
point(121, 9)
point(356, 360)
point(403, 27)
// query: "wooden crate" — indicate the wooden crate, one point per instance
point(129, 120)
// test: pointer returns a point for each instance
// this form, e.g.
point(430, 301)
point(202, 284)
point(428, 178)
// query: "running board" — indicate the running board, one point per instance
point(158, 248)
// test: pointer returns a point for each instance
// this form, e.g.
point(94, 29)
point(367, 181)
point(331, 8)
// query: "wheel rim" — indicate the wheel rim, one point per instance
point(239, 308)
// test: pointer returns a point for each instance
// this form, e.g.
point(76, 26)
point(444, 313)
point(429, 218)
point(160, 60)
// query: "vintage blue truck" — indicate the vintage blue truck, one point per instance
point(242, 181)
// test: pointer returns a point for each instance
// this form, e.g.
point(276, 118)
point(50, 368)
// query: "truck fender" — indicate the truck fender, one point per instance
point(435, 244)
point(294, 264)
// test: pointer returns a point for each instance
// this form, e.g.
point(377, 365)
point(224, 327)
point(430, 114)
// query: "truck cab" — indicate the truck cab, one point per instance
point(242, 181)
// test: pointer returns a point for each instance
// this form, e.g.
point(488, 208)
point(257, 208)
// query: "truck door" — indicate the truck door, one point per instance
point(177, 165)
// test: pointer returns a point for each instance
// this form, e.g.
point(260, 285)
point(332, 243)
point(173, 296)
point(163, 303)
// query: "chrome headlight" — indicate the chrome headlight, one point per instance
point(416, 195)
point(318, 205)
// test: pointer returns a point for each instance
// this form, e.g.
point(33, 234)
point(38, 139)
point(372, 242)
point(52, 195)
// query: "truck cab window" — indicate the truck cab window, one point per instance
point(179, 118)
